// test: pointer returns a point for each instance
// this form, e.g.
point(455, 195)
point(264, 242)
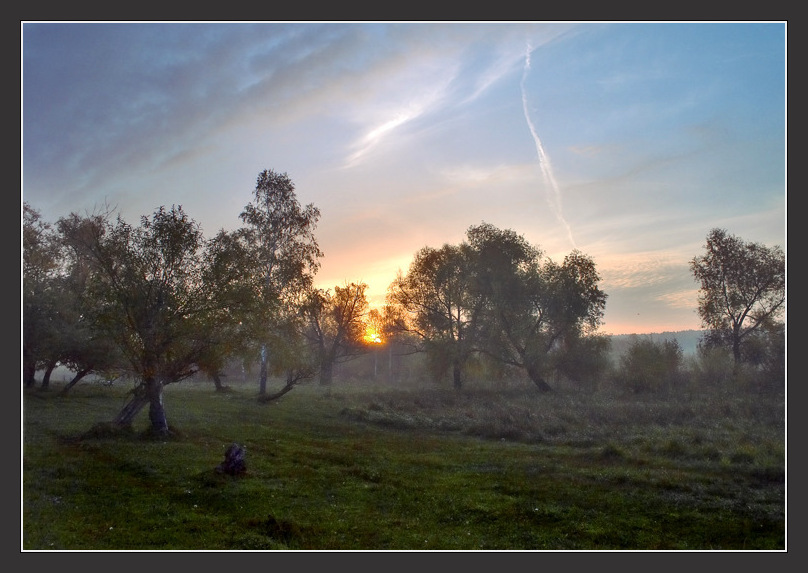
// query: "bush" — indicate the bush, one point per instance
point(584, 359)
point(762, 367)
point(712, 366)
point(650, 366)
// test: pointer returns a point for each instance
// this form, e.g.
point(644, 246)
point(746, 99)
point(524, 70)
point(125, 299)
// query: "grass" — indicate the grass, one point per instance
point(358, 468)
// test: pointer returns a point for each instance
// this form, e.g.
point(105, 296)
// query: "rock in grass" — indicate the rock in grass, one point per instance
point(233, 463)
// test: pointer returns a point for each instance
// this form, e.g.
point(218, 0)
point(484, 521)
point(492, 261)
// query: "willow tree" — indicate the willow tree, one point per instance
point(279, 235)
point(434, 302)
point(40, 272)
point(743, 289)
point(84, 349)
point(156, 302)
point(233, 318)
point(536, 311)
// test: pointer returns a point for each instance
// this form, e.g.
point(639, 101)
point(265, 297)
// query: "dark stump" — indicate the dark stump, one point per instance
point(233, 463)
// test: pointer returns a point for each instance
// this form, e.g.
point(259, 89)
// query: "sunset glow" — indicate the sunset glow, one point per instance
point(627, 141)
point(371, 336)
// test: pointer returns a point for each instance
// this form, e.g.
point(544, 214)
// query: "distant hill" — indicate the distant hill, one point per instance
point(688, 340)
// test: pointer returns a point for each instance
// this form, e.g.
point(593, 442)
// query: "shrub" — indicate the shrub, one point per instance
point(712, 366)
point(584, 359)
point(649, 366)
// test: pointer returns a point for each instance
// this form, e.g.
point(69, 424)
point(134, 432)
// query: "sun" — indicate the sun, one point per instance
point(371, 336)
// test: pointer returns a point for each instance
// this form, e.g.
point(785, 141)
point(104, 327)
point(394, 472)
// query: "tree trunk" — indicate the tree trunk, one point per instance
point(292, 378)
point(28, 370)
point(217, 381)
point(278, 394)
point(157, 412)
point(79, 375)
point(46, 377)
point(537, 379)
point(457, 374)
point(326, 372)
point(127, 415)
point(262, 380)
point(736, 348)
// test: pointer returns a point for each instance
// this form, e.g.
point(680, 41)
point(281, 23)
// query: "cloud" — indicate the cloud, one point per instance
point(684, 299)
point(414, 106)
point(641, 269)
point(476, 175)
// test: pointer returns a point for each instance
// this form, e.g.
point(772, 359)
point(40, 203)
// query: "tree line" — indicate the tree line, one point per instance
point(160, 302)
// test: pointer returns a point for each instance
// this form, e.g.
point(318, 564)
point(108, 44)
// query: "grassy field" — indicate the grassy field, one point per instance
point(358, 468)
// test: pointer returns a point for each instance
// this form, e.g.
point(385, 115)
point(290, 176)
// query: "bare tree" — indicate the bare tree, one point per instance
point(335, 326)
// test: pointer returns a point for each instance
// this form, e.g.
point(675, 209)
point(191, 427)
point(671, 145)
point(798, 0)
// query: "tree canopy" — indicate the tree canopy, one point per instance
point(496, 294)
point(437, 305)
point(743, 289)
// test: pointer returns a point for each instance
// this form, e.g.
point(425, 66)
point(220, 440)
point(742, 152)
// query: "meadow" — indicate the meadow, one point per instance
point(376, 467)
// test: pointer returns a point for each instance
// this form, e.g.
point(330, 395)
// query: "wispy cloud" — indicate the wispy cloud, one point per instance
point(641, 269)
point(553, 191)
point(409, 111)
point(684, 299)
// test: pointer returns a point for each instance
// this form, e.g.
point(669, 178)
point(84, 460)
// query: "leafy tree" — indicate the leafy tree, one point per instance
point(433, 301)
point(743, 288)
point(155, 303)
point(335, 326)
point(536, 311)
point(41, 258)
point(82, 349)
point(55, 308)
point(375, 326)
point(294, 358)
point(283, 255)
point(497, 295)
point(766, 351)
point(231, 330)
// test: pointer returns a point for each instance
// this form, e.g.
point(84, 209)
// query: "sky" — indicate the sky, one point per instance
point(627, 141)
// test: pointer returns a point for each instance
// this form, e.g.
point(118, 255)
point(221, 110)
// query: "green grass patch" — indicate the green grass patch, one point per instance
point(358, 468)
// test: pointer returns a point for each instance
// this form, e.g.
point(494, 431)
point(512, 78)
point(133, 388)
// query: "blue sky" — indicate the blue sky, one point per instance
point(627, 141)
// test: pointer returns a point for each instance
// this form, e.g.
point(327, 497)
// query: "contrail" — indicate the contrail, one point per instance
point(553, 192)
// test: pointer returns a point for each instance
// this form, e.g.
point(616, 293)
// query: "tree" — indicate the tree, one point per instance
point(535, 311)
point(293, 356)
point(40, 270)
point(56, 329)
point(232, 330)
point(434, 302)
point(743, 289)
point(335, 326)
point(154, 302)
point(82, 349)
point(496, 294)
point(279, 236)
